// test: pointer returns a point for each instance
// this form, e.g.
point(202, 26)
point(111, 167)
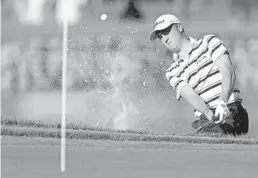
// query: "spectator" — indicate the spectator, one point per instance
point(131, 12)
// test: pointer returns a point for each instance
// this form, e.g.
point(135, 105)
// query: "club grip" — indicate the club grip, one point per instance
point(215, 118)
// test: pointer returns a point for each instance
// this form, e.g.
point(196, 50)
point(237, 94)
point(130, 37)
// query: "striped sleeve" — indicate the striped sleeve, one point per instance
point(216, 48)
point(176, 83)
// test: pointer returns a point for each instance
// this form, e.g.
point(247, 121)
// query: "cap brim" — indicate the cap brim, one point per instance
point(162, 26)
point(153, 36)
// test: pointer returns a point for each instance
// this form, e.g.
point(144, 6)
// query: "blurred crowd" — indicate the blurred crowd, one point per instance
point(31, 10)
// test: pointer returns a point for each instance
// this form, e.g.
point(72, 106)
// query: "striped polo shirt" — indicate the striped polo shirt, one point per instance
point(199, 70)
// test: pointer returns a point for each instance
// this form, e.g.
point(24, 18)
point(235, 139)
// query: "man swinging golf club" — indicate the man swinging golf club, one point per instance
point(202, 73)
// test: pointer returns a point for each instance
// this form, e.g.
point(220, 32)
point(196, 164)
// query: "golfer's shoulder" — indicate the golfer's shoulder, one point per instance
point(211, 39)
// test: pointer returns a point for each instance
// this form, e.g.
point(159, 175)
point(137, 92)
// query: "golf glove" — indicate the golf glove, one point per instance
point(221, 112)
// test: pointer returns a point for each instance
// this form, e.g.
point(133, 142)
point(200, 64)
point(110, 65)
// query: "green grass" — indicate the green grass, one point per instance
point(14, 127)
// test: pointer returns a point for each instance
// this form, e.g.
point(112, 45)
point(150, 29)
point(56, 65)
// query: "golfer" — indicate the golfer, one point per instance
point(202, 73)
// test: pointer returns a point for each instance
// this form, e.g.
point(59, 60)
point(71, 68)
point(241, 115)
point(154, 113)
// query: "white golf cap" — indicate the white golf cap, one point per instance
point(162, 23)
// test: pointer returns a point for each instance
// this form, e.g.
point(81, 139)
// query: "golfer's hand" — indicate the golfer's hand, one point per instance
point(221, 112)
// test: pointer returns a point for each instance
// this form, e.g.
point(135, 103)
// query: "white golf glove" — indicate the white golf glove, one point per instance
point(221, 112)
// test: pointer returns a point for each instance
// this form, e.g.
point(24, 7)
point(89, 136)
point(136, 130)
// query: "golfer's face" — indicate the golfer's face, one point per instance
point(170, 37)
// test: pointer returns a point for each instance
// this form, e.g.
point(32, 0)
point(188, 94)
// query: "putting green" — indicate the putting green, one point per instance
point(40, 157)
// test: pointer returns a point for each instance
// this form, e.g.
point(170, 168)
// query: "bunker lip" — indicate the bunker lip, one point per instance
point(28, 128)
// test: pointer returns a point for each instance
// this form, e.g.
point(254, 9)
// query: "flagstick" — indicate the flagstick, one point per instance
point(64, 93)
point(1, 91)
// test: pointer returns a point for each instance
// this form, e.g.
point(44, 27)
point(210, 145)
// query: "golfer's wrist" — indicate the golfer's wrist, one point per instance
point(222, 100)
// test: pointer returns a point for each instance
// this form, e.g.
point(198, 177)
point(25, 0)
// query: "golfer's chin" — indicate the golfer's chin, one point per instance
point(173, 48)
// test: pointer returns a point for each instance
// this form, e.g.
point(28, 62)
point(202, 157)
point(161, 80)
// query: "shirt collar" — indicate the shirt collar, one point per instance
point(193, 42)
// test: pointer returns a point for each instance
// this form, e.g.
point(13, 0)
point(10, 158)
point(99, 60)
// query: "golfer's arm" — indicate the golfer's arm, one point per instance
point(221, 58)
point(193, 99)
point(228, 76)
point(183, 89)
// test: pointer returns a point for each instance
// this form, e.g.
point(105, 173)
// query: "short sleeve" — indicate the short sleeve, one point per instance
point(216, 47)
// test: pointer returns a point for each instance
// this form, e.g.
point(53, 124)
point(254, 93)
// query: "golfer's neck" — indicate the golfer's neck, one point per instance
point(185, 48)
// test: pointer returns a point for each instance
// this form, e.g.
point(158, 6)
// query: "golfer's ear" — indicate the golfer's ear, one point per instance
point(180, 27)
